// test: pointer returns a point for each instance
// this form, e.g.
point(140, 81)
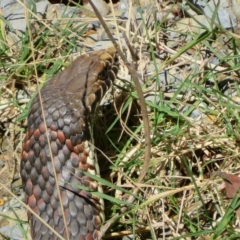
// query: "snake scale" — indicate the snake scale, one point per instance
point(68, 100)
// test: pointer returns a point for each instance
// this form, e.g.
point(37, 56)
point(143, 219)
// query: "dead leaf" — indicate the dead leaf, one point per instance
point(232, 183)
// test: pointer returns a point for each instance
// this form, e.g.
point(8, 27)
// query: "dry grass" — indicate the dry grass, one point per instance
point(178, 198)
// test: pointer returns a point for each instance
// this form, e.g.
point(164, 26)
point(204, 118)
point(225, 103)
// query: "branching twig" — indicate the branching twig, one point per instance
point(134, 75)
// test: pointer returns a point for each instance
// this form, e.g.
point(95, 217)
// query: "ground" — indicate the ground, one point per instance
point(187, 62)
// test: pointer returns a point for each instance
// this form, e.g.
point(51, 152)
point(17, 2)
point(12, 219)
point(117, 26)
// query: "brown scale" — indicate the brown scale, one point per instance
point(68, 99)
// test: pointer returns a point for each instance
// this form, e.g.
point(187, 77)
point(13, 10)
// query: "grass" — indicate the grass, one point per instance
point(178, 198)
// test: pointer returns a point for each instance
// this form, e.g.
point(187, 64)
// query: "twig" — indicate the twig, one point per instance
point(146, 127)
point(139, 91)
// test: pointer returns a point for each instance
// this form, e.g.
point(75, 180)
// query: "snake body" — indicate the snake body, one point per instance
point(68, 100)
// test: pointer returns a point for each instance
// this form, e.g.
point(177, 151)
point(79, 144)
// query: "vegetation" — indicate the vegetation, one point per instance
point(193, 116)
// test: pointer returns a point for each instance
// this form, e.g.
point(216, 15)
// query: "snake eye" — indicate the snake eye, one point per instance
point(103, 75)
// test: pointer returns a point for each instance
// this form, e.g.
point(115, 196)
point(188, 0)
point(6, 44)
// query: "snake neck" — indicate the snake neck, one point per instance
point(68, 101)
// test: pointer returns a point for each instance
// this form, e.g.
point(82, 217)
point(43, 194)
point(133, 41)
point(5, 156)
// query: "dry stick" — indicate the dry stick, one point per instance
point(139, 91)
point(133, 54)
point(134, 75)
point(130, 232)
point(47, 134)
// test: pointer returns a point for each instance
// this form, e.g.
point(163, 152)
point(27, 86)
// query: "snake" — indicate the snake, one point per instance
point(59, 137)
